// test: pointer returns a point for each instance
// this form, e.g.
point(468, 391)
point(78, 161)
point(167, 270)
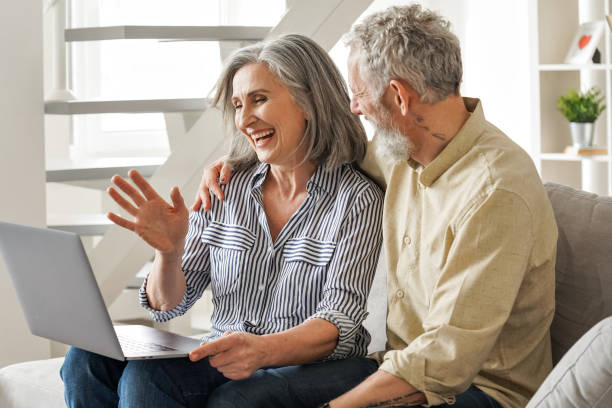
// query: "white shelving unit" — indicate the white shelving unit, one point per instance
point(553, 25)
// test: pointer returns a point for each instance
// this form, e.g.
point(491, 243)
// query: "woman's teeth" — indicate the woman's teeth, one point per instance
point(260, 136)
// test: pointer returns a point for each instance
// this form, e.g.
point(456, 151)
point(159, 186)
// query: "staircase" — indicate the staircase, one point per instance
point(195, 137)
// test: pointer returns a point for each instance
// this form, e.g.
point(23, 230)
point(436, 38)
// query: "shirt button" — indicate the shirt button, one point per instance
point(270, 249)
point(261, 288)
point(400, 293)
point(407, 240)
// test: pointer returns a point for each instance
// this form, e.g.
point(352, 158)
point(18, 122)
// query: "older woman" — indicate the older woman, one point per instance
point(290, 255)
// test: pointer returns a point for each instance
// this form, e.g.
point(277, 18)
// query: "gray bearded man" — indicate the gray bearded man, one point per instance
point(469, 234)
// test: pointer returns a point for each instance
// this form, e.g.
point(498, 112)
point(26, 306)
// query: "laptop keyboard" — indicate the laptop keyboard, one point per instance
point(137, 346)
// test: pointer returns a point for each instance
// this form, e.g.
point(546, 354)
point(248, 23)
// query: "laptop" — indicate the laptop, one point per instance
point(61, 300)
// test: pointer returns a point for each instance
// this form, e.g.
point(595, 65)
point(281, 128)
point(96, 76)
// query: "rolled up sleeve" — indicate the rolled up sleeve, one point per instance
point(472, 299)
point(351, 272)
point(195, 266)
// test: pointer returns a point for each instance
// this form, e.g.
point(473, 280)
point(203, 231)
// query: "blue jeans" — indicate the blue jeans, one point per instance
point(473, 397)
point(91, 380)
point(255, 392)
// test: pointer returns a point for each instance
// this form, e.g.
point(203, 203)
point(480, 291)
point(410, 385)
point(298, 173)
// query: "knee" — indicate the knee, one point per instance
point(79, 365)
point(137, 378)
point(228, 395)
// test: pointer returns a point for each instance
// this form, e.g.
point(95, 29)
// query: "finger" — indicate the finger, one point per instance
point(206, 199)
point(225, 173)
point(235, 371)
point(216, 190)
point(128, 189)
point(143, 185)
point(120, 221)
point(210, 180)
point(225, 360)
point(197, 203)
point(209, 349)
point(177, 199)
point(123, 203)
point(235, 374)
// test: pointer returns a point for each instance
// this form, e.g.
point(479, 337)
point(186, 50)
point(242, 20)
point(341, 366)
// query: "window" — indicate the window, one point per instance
point(147, 69)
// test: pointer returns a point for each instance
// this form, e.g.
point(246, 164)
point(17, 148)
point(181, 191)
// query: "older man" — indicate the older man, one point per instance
point(469, 233)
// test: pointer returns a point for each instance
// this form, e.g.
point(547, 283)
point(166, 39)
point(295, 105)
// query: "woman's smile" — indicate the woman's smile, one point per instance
point(261, 138)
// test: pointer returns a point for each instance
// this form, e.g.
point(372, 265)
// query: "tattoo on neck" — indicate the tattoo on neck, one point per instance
point(412, 399)
point(417, 117)
point(419, 122)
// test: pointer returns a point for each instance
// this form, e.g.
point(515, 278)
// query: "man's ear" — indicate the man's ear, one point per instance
point(402, 95)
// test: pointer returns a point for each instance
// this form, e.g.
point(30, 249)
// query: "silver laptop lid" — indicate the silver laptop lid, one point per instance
point(57, 289)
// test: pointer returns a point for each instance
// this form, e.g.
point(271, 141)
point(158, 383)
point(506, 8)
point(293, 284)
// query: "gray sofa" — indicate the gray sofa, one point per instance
point(581, 332)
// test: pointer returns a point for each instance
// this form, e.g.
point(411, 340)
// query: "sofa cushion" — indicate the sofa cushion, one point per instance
point(584, 264)
point(583, 377)
point(32, 384)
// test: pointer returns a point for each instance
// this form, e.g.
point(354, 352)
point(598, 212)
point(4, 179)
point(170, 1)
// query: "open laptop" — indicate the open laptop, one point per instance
point(61, 300)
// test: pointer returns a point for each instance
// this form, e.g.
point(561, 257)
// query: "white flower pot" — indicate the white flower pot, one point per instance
point(582, 133)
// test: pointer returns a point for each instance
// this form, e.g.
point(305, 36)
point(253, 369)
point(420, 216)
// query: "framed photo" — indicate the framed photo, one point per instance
point(584, 43)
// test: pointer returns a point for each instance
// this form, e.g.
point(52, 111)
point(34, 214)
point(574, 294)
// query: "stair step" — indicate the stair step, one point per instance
point(191, 33)
point(125, 106)
point(140, 276)
point(61, 171)
point(81, 224)
point(126, 309)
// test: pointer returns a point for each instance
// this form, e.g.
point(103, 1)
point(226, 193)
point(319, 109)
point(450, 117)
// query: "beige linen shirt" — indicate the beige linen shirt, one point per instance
point(470, 242)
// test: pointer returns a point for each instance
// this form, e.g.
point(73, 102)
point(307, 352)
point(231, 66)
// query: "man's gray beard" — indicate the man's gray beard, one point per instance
point(391, 143)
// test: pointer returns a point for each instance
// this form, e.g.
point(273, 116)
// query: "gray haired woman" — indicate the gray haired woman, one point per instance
point(290, 255)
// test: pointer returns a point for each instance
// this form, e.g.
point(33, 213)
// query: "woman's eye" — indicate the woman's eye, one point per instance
point(237, 106)
point(260, 99)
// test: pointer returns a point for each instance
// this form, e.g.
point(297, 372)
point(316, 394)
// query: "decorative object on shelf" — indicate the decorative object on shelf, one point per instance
point(584, 44)
point(581, 109)
point(585, 151)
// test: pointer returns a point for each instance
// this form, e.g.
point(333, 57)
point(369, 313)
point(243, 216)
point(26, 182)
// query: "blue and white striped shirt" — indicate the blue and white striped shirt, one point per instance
point(320, 266)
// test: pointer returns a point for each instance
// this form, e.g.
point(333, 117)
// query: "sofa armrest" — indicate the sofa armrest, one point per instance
point(583, 377)
point(32, 384)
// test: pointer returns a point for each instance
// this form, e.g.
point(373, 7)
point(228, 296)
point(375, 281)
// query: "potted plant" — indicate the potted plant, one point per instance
point(581, 109)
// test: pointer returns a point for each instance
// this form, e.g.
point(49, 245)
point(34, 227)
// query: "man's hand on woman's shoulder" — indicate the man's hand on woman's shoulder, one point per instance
point(213, 176)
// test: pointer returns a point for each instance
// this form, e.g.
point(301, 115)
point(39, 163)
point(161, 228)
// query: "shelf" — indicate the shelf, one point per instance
point(65, 171)
point(186, 33)
point(82, 224)
point(125, 106)
point(573, 158)
point(574, 67)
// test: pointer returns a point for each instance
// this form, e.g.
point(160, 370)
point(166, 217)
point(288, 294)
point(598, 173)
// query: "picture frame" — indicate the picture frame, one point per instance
point(585, 42)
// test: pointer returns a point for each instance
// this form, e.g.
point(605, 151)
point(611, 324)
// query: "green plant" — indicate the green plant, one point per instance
point(581, 106)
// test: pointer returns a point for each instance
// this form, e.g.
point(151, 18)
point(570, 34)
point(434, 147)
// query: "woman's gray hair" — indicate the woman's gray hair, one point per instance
point(409, 43)
point(333, 135)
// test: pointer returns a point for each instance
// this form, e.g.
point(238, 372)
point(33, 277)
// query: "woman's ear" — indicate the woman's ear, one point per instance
point(401, 94)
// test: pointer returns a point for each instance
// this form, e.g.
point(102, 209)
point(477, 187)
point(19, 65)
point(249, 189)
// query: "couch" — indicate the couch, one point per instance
point(581, 331)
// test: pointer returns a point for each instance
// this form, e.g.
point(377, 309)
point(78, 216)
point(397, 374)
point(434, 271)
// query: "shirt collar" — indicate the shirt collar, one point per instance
point(459, 145)
point(259, 175)
point(321, 179)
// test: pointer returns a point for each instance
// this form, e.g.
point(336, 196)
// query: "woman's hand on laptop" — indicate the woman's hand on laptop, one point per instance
point(235, 355)
point(160, 224)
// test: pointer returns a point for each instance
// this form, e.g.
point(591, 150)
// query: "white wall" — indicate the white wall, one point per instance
point(22, 176)
point(495, 50)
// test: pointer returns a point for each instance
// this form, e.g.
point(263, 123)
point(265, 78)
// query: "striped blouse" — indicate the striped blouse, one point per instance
point(320, 266)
